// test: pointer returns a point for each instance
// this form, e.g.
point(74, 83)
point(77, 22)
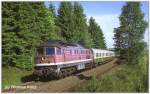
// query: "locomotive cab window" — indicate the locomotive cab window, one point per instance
point(40, 51)
point(50, 51)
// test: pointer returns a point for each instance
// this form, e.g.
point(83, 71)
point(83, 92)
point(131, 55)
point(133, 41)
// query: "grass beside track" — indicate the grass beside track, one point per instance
point(128, 78)
point(12, 76)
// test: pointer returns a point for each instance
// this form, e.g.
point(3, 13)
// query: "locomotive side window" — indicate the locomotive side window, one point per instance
point(86, 51)
point(50, 51)
point(74, 51)
point(58, 51)
point(81, 51)
point(70, 52)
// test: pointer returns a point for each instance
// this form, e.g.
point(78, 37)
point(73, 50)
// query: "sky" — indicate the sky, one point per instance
point(106, 15)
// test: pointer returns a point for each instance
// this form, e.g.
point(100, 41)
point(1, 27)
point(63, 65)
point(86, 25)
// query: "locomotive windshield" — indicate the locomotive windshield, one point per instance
point(40, 51)
point(50, 51)
point(46, 51)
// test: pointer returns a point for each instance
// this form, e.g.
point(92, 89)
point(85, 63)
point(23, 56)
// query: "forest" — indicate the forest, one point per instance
point(25, 25)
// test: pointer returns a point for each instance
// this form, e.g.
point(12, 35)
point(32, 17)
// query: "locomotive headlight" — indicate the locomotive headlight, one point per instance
point(43, 58)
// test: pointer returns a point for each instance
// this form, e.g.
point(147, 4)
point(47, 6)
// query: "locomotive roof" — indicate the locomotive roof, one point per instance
point(58, 43)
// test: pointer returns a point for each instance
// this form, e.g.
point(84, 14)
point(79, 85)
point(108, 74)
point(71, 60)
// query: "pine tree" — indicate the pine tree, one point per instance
point(65, 22)
point(81, 34)
point(96, 34)
point(24, 26)
point(52, 9)
point(128, 37)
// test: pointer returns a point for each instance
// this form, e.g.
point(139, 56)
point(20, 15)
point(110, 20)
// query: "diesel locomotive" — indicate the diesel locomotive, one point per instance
point(60, 59)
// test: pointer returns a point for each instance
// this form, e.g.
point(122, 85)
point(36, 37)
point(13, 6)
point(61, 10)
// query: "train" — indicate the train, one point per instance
point(60, 59)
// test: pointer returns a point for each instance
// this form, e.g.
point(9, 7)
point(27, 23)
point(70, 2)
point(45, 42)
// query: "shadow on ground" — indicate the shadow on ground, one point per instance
point(83, 77)
point(32, 77)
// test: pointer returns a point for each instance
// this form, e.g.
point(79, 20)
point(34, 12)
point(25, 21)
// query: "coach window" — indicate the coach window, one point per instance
point(50, 51)
point(96, 54)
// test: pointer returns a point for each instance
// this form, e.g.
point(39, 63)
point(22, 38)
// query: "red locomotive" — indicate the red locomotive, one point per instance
point(59, 59)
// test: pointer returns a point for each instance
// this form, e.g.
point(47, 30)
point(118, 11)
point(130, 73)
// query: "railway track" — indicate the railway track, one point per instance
point(64, 85)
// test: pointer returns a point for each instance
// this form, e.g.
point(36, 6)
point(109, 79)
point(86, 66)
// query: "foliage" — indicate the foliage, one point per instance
point(64, 20)
point(81, 34)
point(74, 28)
point(96, 34)
point(52, 9)
point(128, 78)
point(91, 86)
point(128, 37)
point(24, 26)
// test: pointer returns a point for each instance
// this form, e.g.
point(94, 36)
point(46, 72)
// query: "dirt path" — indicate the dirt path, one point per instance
point(66, 84)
